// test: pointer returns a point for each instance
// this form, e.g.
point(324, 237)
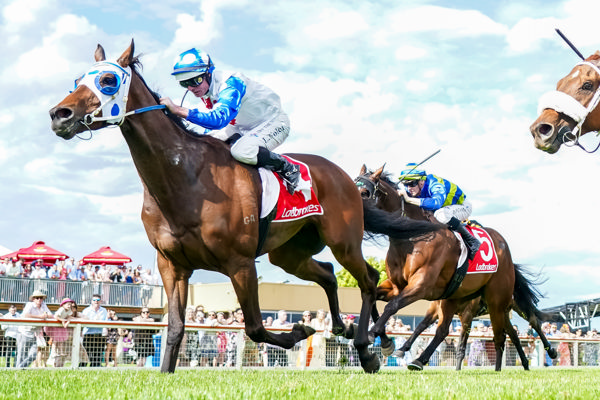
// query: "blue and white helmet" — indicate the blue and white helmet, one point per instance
point(192, 63)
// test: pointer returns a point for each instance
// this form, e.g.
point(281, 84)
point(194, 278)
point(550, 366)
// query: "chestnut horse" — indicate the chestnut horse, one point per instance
point(421, 269)
point(571, 110)
point(201, 208)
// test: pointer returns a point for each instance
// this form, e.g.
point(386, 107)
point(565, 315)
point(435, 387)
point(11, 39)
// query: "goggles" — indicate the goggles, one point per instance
point(192, 82)
point(412, 183)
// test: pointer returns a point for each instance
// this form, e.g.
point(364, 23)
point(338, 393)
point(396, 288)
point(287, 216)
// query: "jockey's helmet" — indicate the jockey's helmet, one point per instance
point(192, 63)
point(411, 173)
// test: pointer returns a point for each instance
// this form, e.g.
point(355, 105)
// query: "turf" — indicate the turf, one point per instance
point(550, 383)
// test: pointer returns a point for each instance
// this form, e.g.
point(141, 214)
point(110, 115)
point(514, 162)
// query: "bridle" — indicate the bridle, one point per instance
point(113, 97)
point(374, 190)
point(564, 103)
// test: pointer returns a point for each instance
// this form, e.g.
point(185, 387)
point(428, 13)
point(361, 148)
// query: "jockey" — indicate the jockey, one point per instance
point(237, 107)
point(444, 198)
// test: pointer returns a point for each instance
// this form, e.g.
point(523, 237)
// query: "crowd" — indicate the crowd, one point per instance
point(110, 346)
point(71, 270)
point(51, 345)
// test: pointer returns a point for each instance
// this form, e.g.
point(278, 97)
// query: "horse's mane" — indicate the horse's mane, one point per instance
point(136, 66)
point(386, 177)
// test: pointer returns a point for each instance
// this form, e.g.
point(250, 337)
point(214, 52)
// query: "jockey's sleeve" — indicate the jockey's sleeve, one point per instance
point(224, 110)
point(436, 198)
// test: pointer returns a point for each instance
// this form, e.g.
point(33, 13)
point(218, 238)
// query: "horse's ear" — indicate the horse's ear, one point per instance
point(127, 57)
point(597, 53)
point(378, 173)
point(99, 54)
point(363, 170)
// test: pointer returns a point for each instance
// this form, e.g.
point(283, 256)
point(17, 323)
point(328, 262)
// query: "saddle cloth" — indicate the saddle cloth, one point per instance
point(301, 204)
point(486, 259)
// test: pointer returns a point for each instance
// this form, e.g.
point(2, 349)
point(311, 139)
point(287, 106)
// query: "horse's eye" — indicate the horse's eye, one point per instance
point(587, 86)
point(109, 80)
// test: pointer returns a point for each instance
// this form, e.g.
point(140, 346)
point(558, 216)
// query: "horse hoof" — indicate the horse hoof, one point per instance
point(304, 330)
point(351, 331)
point(552, 353)
point(372, 365)
point(389, 350)
point(416, 365)
point(337, 330)
point(399, 353)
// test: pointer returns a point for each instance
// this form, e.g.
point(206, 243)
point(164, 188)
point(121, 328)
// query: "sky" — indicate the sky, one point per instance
point(368, 82)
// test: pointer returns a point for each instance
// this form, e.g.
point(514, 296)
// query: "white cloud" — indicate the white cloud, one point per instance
point(333, 24)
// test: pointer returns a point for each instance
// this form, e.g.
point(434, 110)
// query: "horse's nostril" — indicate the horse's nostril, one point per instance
point(544, 129)
point(63, 113)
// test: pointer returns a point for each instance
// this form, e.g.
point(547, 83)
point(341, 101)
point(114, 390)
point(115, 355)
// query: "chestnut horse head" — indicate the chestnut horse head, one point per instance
point(571, 110)
point(201, 208)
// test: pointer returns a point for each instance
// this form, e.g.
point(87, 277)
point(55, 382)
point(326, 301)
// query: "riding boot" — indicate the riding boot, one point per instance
point(471, 241)
point(289, 172)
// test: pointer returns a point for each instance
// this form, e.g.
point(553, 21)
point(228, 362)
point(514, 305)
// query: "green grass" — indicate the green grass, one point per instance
point(549, 383)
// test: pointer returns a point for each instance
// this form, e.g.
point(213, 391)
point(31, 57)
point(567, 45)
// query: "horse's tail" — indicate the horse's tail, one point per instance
point(526, 295)
point(380, 222)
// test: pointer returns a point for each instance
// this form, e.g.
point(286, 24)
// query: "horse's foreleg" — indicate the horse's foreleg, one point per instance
point(175, 283)
point(245, 284)
point(430, 317)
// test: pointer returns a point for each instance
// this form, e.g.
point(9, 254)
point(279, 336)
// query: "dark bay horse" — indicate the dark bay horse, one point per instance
point(571, 110)
point(421, 269)
point(201, 208)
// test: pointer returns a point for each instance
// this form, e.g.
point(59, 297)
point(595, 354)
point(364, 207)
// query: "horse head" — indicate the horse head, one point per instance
point(378, 186)
point(99, 97)
point(570, 111)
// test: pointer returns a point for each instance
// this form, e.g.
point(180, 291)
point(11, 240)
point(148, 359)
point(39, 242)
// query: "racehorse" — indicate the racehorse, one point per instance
point(571, 110)
point(201, 208)
point(421, 269)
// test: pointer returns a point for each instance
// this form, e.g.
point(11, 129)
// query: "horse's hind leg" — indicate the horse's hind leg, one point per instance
point(514, 338)
point(535, 324)
point(447, 309)
point(245, 283)
point(175, 282)
point(430, 317)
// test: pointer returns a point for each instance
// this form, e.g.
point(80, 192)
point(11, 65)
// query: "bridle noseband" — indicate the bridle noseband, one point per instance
point(374, 190)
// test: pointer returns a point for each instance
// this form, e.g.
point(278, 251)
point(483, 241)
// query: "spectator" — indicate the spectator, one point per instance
point(208, 342)
point(93, 341)
point(30, 337)
point(563, 347)
point(116, 276)
point(13, 269)
point(9, 345)
point(477, 353)
point(125, 352)
point(306, 320)
point(38, 271)
point(276, 355)
point(189, 353)
point(2, 268)
point(112, 338)
point(53, 272)
point(318, 340)
point(60, 334)
point(144, 346)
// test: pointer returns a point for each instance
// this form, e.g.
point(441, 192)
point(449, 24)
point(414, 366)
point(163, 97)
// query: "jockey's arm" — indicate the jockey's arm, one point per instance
point(436, 198)
point(224, 110)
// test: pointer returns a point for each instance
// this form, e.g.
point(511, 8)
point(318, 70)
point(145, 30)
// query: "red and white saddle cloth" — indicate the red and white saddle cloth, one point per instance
point(301, 204)
point(486, 259)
